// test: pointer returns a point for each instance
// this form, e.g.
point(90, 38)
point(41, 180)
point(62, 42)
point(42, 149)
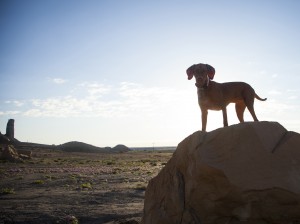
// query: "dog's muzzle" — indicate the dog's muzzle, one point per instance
point(198, 85)
point(203, 86)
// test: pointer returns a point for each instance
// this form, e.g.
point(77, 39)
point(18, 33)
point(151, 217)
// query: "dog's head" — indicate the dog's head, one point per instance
point(202, 72)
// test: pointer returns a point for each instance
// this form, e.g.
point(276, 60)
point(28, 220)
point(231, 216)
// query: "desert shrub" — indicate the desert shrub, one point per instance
point(7, 191)
point(145, 160)
point(109, 162)
point(86, 186)
point(49, 177)
point(153, 163)
point(38, 182)
point(73, 176)
point(70, 219)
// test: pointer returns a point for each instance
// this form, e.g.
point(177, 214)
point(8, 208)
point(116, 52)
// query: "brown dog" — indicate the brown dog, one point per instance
point(216, 96)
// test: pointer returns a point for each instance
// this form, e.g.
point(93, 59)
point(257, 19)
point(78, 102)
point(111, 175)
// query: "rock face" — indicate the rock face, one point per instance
point(10, 154)
point(245, 173)
point(4, 139)
point(10, 129)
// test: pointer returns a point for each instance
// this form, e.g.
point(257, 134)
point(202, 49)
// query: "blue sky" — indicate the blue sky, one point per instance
point(113, 72)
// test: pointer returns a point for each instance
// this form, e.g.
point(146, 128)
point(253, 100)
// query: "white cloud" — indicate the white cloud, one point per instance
point(132, 101)
point(95, 90)
point(59, 80)
point(15, 102)
point(18, 103)
point(99, 100)
point(10, 112)
point(58, 107)
point(33, 113)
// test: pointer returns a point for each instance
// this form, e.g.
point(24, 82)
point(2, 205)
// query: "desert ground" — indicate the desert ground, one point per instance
point(63, 187)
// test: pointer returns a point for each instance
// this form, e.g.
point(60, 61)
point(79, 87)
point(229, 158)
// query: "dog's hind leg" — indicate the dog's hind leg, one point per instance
point(249, 104)
point(240, 108)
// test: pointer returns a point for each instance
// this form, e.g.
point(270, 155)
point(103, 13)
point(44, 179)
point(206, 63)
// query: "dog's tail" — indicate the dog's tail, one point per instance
point(257, 97)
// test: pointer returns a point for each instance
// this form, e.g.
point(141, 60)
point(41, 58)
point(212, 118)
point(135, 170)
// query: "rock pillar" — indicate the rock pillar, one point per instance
point(10, 129)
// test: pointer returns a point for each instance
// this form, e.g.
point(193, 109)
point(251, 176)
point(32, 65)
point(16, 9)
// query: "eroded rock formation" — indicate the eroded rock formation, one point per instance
point(245, 173)
point(10, 129)
point(10, 154)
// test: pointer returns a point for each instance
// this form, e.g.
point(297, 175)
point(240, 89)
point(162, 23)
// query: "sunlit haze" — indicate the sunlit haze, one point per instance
point(114, 72)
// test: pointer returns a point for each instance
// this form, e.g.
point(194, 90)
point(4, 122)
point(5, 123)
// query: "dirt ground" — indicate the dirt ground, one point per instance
point(57, 187)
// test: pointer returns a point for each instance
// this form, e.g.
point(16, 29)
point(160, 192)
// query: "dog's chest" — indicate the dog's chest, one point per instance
point(209, 101)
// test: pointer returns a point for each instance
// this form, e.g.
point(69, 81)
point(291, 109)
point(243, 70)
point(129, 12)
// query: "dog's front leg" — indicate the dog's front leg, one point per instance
point(204, 118)
point(225, 122)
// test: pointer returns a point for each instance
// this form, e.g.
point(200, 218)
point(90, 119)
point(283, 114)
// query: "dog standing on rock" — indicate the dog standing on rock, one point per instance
point(216, 96)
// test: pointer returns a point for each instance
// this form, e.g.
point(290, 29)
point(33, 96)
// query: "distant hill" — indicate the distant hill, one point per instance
point(120, 148)
point(83, 147)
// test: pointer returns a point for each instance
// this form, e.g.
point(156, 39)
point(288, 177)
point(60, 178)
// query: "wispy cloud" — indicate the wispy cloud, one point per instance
point(127, 100)
point(17, 103)
point(100, 100)
point(9, 112)
point(95, 90)
point(58, 80)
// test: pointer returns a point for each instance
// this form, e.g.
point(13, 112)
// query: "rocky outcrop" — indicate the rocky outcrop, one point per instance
point(10, 154)
point(10, 129)
point(24, 153)
point(245, 173)
point(4, 139)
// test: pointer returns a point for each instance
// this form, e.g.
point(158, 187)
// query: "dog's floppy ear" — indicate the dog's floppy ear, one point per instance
point(210, 72)
point(190, 72)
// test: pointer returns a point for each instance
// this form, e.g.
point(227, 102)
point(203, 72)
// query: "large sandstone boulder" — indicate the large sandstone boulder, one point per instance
point(245, 173)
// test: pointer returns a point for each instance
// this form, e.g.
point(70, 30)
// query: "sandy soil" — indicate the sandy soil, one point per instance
point(57, 187)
